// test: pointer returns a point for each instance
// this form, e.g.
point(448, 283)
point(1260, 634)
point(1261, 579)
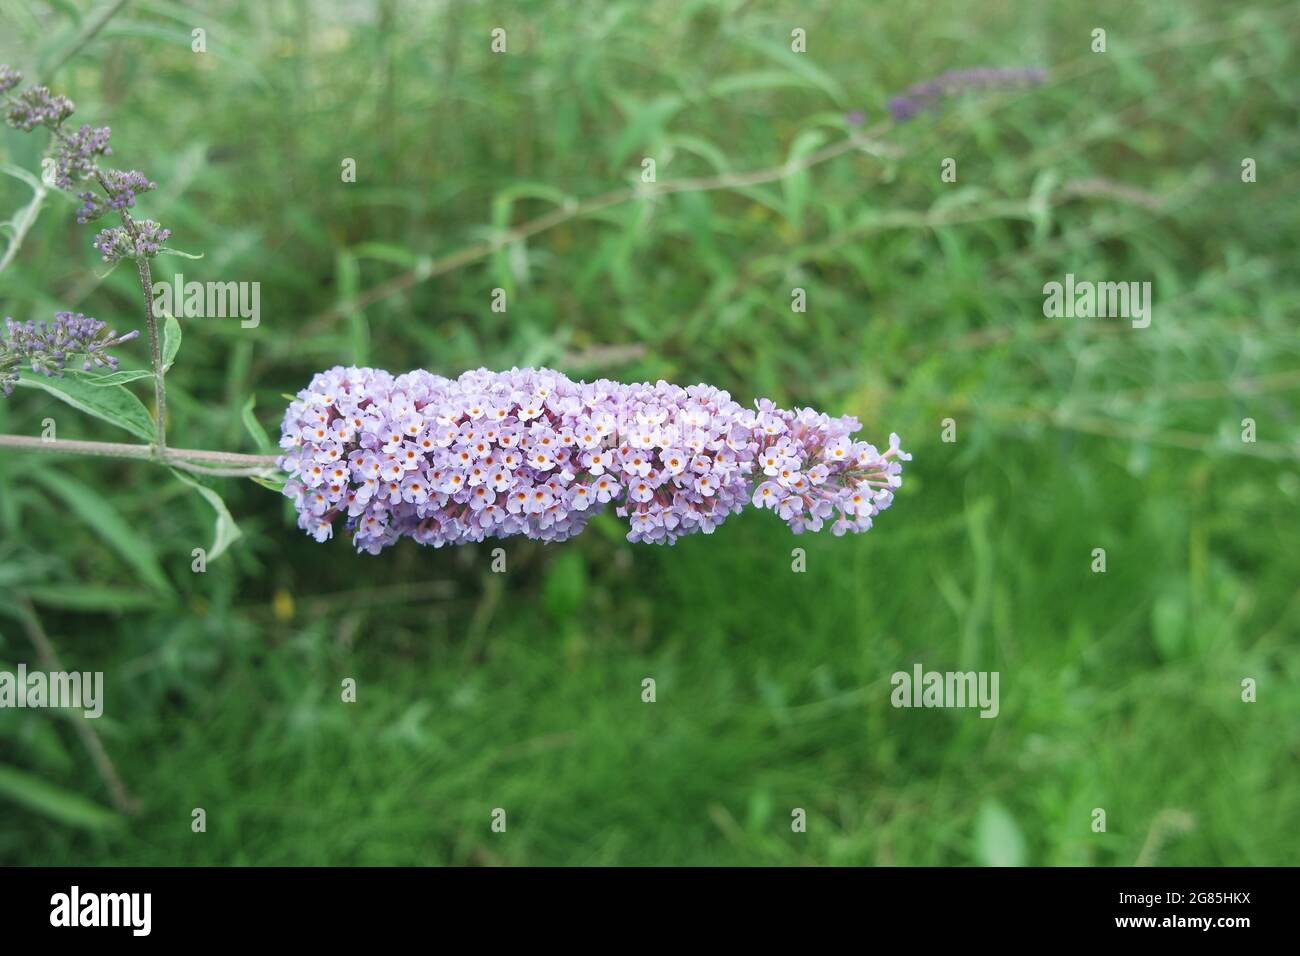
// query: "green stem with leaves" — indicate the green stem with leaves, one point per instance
point(151, 321)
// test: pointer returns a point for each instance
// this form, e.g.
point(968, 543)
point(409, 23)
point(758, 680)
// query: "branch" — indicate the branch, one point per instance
point(89, 33)
point(224, 463)
point(122, 798)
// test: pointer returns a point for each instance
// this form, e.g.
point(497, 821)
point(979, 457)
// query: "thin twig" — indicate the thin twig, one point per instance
point(122, 798)
point(87, 35)
point(218, 472)
point(155, 351)
point(231, 464)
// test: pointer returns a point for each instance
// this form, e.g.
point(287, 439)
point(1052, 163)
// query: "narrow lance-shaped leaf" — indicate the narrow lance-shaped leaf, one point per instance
point(171, 343)
point(113, 404)
point(54, 802)
point(112, 378)
point(225, 531)
point(255, 429)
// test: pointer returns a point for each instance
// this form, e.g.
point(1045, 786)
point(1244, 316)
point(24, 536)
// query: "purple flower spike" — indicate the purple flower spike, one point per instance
point(9, 78)
point(528, 451)
point(121, 186)
point(35, 106)
point(46, 346)
point(922, 96)
point(74, 155)
point(116, 244)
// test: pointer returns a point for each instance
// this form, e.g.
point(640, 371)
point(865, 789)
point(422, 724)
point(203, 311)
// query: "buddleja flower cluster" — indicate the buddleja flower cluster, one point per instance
point(47, 346)
point(75, 155)
point(530, 452)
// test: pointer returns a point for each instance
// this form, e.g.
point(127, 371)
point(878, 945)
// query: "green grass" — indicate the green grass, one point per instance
point(1119, 691)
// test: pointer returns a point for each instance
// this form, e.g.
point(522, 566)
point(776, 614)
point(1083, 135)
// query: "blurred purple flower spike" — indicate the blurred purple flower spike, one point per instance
point(915, 99)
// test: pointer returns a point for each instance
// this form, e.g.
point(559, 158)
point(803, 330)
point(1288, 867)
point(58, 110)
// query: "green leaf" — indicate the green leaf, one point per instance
point(347, 275)
point(177, 252)
point(386, 252)
point(796, 185)
point(90, 597)
point(54, 802)
point(112, 267)
point(998, 841)
point(87, 504)
point(113, 404)
point(17, 172)
point(799, 64)
point(112, 378)
point(503, 202)
point(647, 122)
point(22, 220)
point(1169, 623)
point(254, 427)
point(275, 483)
point(225, 531)
point(758, 80)
point(38, 736)
point(171, 343)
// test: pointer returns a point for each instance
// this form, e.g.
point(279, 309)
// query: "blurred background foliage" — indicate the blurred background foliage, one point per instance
point(522, 690)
